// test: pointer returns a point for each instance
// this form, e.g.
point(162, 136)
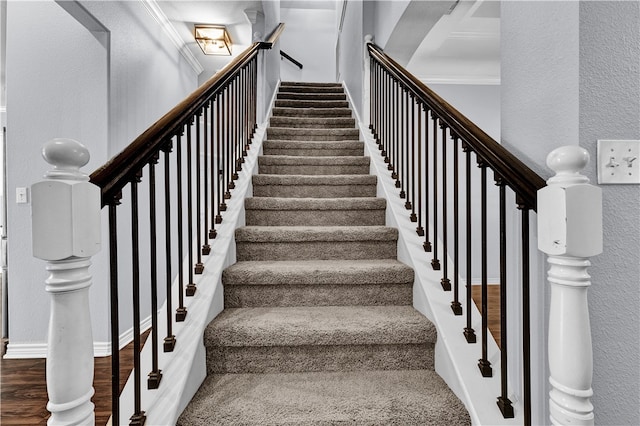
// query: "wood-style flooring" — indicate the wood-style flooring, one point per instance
point(23, 397)
point(493, 308)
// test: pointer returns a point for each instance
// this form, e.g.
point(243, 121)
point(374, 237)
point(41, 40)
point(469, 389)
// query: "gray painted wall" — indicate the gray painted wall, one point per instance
point(66, 84)
point(570, 76)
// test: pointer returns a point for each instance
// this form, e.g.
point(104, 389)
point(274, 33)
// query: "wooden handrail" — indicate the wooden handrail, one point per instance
point(119, 170)
point(275, 35)
point(517, 175)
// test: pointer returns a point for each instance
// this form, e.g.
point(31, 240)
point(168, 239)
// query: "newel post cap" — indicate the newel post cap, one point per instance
point(65, 207)
point(569, 208)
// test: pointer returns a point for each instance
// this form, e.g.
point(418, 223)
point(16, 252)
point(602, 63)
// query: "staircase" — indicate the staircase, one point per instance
point(318, 326)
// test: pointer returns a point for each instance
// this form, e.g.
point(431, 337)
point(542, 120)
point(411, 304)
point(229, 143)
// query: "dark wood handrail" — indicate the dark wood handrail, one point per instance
point(517, 175)
point(293, 61)
point(119, 170)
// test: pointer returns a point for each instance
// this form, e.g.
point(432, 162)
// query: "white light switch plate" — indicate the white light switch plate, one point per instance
point(619, 161)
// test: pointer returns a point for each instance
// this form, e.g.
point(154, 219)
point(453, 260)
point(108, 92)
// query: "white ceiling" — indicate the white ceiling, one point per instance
point(462, 47)
point(183, 14)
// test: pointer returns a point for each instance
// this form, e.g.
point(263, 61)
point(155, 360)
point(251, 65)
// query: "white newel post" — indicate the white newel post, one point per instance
point(65, 210)
point(569, 232)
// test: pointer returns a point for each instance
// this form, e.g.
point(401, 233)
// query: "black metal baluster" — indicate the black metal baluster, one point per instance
point(229, 154)
point(402, 141)
point(213, 170)
point(445, 282)
point(427, 242)
point(483, 363)
point(412, 202)
point(435, 263)
point(191, 286)
point(237, 149)
point(407, 170)
point(181, 311)
point(386, 148)
point(419, 228)
point(138, 417)
point(456, 307)
point(155, 376)
point(199, 266)
point(469, 332)
point(503, 401)
point(208, 139)
point(526, 318)
point(393, 164)
point(221, 177)
point(170, 340)
point(113, 301)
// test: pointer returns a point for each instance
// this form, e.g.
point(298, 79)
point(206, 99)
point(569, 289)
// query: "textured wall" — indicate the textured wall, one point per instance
point(610, 109)
point(571, 75)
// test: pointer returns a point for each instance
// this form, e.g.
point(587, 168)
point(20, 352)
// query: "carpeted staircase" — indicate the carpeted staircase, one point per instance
point(318, 326)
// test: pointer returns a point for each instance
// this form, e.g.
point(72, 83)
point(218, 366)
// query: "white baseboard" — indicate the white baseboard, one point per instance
point(100, 349)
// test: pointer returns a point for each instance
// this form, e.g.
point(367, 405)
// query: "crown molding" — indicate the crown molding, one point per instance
point(156, 12)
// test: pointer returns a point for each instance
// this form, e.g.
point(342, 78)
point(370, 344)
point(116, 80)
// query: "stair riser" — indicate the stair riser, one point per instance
point(301, 96)
point(243, 296)
point(314, 191)
point(311, 112)
point(310, 89)
point(309, 152)
point(322, 250)
point(310, 84)
point(281, 359)
point(307, 169)
point(315, 217)
point(313, 123)
point(313, 135)
point(310, 104)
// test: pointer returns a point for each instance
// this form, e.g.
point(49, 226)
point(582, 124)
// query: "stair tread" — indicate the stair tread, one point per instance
point(310, 84)
point(298, 144)
point(318, 272)
point(320, 325)
point(284, 111)
point(264, 179)
point(409, 397)
point(298, 130)
point(313, 160)
point(315, 233)
point(319, 204)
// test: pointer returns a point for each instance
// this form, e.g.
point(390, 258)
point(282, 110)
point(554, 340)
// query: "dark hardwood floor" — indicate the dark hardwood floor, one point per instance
point(23, 398)
point(493, 308)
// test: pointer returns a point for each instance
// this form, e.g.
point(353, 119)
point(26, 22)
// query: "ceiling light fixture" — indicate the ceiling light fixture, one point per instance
point(213, 39)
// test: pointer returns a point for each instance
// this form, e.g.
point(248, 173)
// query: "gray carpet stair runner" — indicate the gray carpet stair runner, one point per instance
point(318, 326)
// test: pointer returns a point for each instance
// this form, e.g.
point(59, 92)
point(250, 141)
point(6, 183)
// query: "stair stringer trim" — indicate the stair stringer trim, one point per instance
point(455, 359)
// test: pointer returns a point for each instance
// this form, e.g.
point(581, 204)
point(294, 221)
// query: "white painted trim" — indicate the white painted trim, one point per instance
point(100, 349)
point(156, 12)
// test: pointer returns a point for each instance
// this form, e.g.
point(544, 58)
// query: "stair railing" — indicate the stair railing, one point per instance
point(174, 179)
point(285, 55)
point(426, 144)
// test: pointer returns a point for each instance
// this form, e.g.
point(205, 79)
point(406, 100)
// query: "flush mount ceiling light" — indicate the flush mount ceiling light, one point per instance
point(213, 39)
